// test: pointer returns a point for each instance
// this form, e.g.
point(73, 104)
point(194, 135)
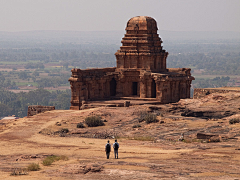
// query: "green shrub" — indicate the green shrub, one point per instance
point(151, 118)
point(142, 116)
point(147, 117)
point(234, 120)
point(47, 162)
point(80, 125)
point(33, 167)
point(94, 121)
point(50, 159)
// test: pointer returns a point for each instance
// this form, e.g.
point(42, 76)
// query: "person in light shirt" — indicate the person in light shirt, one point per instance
point(116, 147)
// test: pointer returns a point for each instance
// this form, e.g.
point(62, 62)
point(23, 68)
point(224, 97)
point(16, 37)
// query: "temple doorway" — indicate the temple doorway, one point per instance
point(135, 88)
point(113, 85)
point(153, 89)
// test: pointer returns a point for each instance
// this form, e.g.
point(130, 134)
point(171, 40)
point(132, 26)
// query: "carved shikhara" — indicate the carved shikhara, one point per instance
point(141, 71)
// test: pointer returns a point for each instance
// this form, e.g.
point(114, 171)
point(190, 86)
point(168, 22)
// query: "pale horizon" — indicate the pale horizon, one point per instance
point(108, 15)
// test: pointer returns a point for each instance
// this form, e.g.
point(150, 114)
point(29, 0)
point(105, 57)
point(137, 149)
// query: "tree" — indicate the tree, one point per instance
point(23, 75)
point(35, 73)
point(63, 100)
point(39, 66)
point(5, 110)
point(29, 66)
point(39, 96)
point(65, 65)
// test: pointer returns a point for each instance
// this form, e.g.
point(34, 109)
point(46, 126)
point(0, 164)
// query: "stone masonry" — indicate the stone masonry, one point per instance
point(36, 109)
point(141, 71)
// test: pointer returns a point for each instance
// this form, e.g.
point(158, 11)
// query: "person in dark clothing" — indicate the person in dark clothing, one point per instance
point(116, 147)
point(108, 149)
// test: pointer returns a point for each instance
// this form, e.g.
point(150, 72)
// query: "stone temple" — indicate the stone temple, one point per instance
point(141, 71)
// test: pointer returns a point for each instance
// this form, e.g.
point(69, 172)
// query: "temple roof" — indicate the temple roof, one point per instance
point(142, 23)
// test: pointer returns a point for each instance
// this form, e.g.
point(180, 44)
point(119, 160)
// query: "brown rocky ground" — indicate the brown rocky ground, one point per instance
point(147, 151)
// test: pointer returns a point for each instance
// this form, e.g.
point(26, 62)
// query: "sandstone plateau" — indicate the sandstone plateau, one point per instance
point(210, 150)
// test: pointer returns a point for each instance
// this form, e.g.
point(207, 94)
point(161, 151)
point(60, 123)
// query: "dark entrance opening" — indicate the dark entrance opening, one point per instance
point(134, 88)
point(153, 89)
point(113, 85)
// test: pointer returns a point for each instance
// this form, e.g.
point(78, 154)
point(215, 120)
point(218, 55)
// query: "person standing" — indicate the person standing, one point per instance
point(108, 149)
point(116, 147)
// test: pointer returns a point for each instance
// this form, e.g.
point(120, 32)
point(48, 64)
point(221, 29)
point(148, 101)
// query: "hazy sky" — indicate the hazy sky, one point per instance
point(95, 15)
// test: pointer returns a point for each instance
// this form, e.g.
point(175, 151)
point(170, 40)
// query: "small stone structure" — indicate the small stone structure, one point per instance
point(141, 71)
point(36, 109)
point(202, 92)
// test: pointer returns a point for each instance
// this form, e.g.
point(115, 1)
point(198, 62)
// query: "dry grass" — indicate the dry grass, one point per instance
point(208, 104)
point(127, 167)
point(19, 172)
point(143, 138)
point(193, 140)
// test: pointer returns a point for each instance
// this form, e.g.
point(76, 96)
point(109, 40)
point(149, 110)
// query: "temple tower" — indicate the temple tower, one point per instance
point(141, 46)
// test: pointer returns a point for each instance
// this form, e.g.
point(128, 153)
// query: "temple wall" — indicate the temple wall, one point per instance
point(95, 85)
